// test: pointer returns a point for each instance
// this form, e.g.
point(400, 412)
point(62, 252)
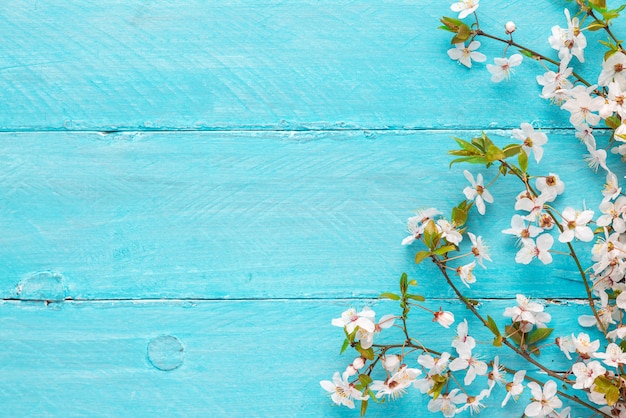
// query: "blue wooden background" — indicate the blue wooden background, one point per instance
point(191, 190)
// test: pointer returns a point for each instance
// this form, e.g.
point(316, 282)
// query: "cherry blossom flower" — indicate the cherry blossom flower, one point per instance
point(465, 360)
point(350, 319)
point(541, 249)
point(614, 69)
point(584, 346)
point(570, 41)
point(395, 386)
point(532, 141)
point(575, 225)
point(596, 158)
point(586, 373)
point(465, 54)
point(342, 392)
point(617, 99)
point(527, 314)
point(479, 249)
point(477, 192)
point(613, 356)
point(551, 186)
point(473, 403)
point(447, 403)
point(612, 214)
point(502, 68)
point(496, 375)
point(466, 273)
point(581, 106)
point(544, 401)
point(434, 365)
point(566, 345)
point(366, 337)
point(521, 230)
point(514, 388)
point(449, 232)
point(465, 7)
point(533, 205)
point(417, 223)
point(556, 86)
point(463, 341)
point(444, 318)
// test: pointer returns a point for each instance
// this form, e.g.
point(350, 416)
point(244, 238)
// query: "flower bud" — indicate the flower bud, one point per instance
point(358, 363)
point(391, 362)
point(509, 27)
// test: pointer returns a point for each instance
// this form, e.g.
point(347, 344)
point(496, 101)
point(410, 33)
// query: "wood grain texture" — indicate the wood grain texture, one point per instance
point(247, 215)
point(302, 64)
point(87, 358)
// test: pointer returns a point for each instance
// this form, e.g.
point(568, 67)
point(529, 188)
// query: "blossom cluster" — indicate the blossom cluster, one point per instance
point(461, 377)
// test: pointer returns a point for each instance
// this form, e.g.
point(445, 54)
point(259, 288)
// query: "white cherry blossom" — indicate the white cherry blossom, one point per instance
point(545, 400)
point(465, 7)
point(466, 54)
point(551, 186)
point(521, 230)
point(532, 141)
point(342, 392)
point(614, 69)
point(586, 373)
point(466, 273)
point(501, 70)
point(477, 192)
point(514, 388)
point(479, 249)
point(570, 41)
point(575, 225)
point(447, 403)
point(540, 249)
point(613, 356)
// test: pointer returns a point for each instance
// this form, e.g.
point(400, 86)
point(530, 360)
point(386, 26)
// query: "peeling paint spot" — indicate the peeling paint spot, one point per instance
point(42, 286)
point(166, 352)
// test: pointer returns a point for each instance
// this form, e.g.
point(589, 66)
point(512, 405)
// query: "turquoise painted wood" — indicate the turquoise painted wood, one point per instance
point(191, 190)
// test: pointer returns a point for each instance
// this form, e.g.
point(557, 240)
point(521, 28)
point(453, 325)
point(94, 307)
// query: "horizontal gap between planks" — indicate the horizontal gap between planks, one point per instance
point(555, 300)
point(105, 132)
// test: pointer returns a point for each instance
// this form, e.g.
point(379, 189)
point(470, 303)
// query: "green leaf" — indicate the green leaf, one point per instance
point(512, 332)
point(511, 150)
point(597, 4)
point(459, 216)
point(595, 26)
point(494, 153)
point(444, 249)
point(538, 335)
point(451, 23)
point(497, 341)
point(440, 383)
point(404, 285)
point(345, 345)
point(419, 257)
point(418, 298)
point(602, 383)
point(526, 53)
point(493, 327)
point(365, 379)
point(613, 122)
point(363, 407)
point(466, 145)
point(389, 295)
point(463, 34)
point(431, 235)
point(522, 159)
point(472, 160)
point(366, 353)
point(612, 396)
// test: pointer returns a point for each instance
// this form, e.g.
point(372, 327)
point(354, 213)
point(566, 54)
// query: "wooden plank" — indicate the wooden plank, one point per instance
point(256, 358)
point(248, 214)
point(305, 64)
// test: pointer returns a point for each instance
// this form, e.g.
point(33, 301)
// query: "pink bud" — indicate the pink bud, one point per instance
point(358, 363)
point(509, 28)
